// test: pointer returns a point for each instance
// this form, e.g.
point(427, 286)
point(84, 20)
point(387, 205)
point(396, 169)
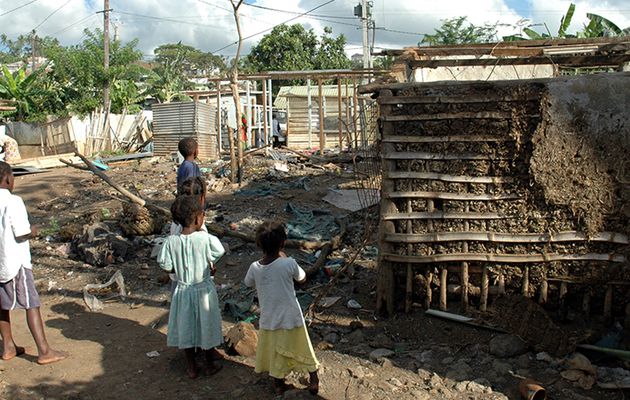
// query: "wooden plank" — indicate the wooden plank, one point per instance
point(453, 196)
point(47, 161)
point(457, 99)
point(611, 60)
point(322, 138)
point(412, 155)
point(449, 178)
point(458, 115)
point(447, 139)
point(499, 237)
point(444, 215)
point(503, 258)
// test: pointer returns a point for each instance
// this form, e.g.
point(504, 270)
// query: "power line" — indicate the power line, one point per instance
point(51, 14)
point(382, 28)
point(166, 19)
point(268, 29)
point(17, 8)
point(295, 12)
point(74, 24)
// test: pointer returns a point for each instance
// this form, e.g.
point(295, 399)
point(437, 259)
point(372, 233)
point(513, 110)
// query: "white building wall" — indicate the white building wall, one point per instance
point(483, 73)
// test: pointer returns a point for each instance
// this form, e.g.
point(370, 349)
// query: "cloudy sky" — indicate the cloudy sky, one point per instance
point(209, 25)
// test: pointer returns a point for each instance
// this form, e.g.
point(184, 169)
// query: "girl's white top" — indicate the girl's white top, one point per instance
point(279, 308)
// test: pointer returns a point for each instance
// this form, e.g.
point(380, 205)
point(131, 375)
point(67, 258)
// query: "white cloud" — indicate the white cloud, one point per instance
point(211, 27)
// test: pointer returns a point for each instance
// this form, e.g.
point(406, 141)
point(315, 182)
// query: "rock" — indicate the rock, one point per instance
point(355, 337)
point(382, 341)
point(354, 325)
point(461, 386)
point(385, 362)
point(523, 361)
point(332, 338)
point(357, 372)
point(420, 395)
point(324, 345)
point(505, 346)
point(396, 382)
point(580, 362)
point(243, 339)
point(579, 378)
point(237, 393)
point(500, 367)
point(379, 353)
point(447, 360)
point(542, 356)
point(435, 381)
point(459, 371)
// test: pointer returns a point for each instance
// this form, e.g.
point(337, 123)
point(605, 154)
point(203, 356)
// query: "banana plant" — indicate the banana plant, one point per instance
point(26, 91)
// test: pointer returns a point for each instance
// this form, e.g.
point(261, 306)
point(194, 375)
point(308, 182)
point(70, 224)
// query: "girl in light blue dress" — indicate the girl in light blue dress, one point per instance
point(195, 319)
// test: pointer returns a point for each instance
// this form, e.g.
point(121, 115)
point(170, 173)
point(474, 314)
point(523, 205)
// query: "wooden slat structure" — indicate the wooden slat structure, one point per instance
point(457, 196)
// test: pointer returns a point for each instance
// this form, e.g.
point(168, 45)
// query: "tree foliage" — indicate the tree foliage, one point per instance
point(458, 31)
point(32, 94)
point(190, 61)
point(293, 48)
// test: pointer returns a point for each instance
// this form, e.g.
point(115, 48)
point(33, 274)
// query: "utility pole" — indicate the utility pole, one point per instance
point(106, 56)
point(365, 17)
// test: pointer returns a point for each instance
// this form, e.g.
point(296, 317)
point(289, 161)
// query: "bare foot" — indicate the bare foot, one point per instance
point(15, 352)
point(51, 357)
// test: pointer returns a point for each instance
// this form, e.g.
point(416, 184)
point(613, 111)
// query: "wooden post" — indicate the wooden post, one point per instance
point(219, 118)
point(349, 144)
point(464, 266)
point(429, 295)
point(501, 283)
point(322, 138)
point(409, 289)
point(443, 288)
point(309, 101)
point(564, 288)
point(339, 111)
point(608, 302)
point(485, 284)
point(525, 287)
point(385, 281)
point(355, 117)
point(544, 291)
point(265, 132)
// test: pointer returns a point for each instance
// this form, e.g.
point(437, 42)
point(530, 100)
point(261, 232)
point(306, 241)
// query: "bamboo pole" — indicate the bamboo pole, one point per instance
point(453, 196)
point(544, 292)
point(443, 215)
point(499, 237)
point(339, 111)
point(443, 288)
point(433, 176)
point(485, 284)
point(322, 138)
point(504, 258)
point(355, 116)
point(219, 121)
point(417, 155)
point(525, 287)
point(265, 114)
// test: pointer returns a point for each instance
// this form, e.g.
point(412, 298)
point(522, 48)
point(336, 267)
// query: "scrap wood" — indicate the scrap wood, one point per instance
point(297, 153)
point(92, 168)
point(292, 243)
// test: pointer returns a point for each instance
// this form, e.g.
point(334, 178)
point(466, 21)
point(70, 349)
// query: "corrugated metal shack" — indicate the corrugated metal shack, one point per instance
point(175, 121)
point(518, 185)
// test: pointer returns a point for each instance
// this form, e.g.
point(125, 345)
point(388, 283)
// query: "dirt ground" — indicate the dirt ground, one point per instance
point(422, 358)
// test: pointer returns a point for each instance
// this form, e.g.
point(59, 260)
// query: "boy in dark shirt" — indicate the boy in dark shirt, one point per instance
point(188, 148)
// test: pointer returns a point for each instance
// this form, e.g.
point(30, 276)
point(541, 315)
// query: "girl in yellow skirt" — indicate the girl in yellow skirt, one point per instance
point(283, 342)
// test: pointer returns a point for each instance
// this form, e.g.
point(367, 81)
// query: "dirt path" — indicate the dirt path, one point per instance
point(424, 358)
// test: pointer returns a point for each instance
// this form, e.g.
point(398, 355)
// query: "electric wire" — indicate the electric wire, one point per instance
point(268, 29)
point(51, 14)
point(17, 8)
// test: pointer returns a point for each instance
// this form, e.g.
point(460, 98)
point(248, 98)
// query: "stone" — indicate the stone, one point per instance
point(459, 371)
point(357, 372)
point(243, 339)
point(324, 345)
point(447, 360)
point(580, 362)
point(332, 338)
point(382, 341)
point(424, 374)
point(355, 337)
point(500, 367)
point(356, 325)
point(420, 395)
point(379, 353)
point(475, 387)
point(461, 386)
point(396, 382)
point(435, 381)
point(505, 346)
point(523, 361)
point(542, 356)
point(385, 362)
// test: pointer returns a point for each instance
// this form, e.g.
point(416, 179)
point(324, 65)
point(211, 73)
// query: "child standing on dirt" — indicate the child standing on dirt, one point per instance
point(195, 319)
point(189, 149)
point(17, 287)
point(283, 341)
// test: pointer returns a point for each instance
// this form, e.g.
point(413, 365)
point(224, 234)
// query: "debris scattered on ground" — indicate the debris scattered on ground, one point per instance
point(93, 303)
point(242, 338)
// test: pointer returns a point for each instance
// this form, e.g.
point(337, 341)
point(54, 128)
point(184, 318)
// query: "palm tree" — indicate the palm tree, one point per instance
point(28, 92)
